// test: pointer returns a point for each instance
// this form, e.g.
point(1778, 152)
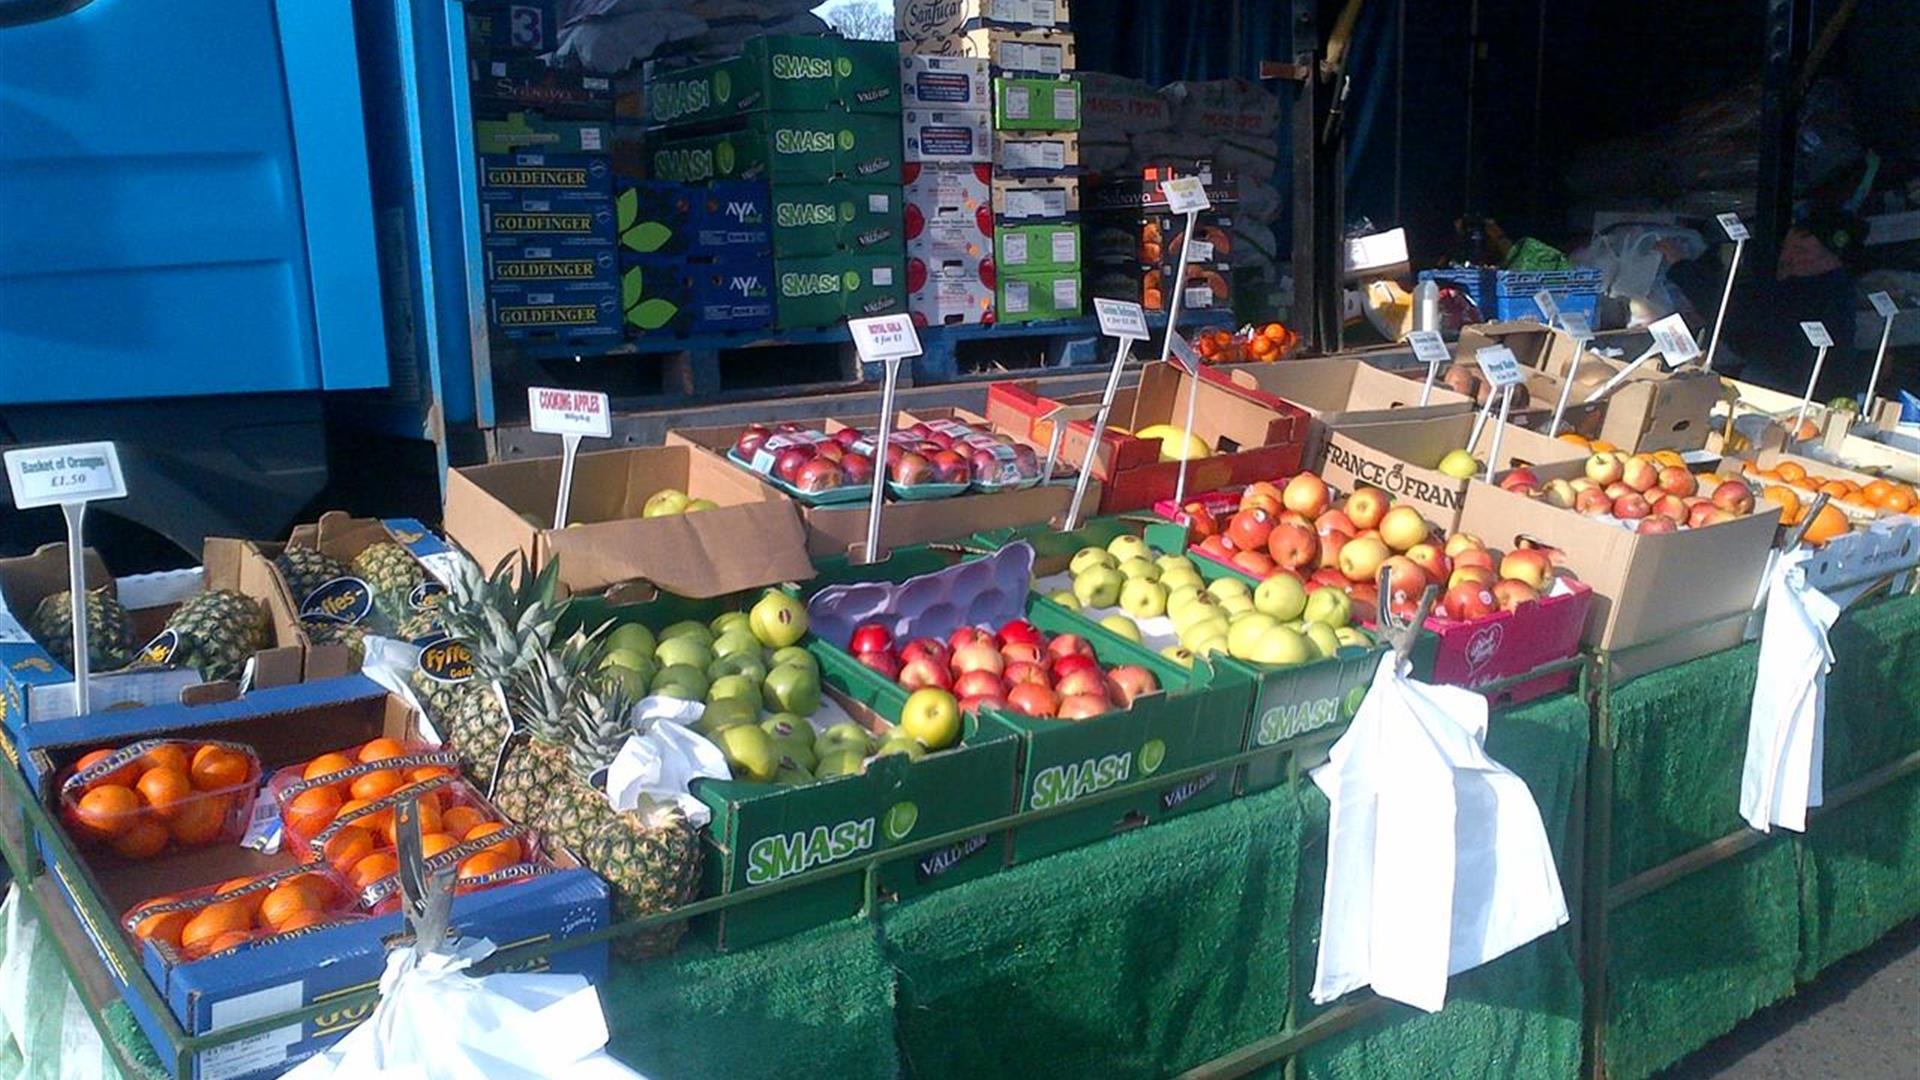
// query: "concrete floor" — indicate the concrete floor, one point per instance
point(1861, 1020)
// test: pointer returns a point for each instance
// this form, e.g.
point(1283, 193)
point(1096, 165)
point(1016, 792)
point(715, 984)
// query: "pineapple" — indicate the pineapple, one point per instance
point(305, 569)
point(651, 859)
point(420, 626)
point(325, 632)
point(504, 626)
point(599, 726)
point(109, 634)
point(214, 633)
point(391, 572)
point(541, 697)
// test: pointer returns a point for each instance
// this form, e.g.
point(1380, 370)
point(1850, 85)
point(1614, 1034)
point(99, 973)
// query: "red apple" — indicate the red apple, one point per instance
point(1021, 652)
point(1640, 474)
point(1656, 524)
point(923, 672)
point(1033, 699)
point(1672, 507)
point(870, 637)
point(882, 661)
point(1405, 581)
point(818, 475)
point(1129, 682)
point(1698, 511)
point(1215, 547)
point(1020, 632)
point(1331, 544)
point(1530, 565)
point(1471, 575)
point(1631, 507)
point(1460, 542)
point(1306, 494)
point(1200, 520)
point(981, 656)
point(1335, 521)
point(1430, 558)
point(1521, 477)
point(1367, 507)
point(1511, 593)
point(965, 636)
point(1468, 601)
point(1072, 662)
point(1022, 671)
point(858, 467)
point(931, 648)
point(1734, 497)
point(749, 441)
point(1249, 529)
point(979, 684)
point(829, 451)
point(950, 467)
point(1604, 469)
point(1068, 645)
point(1619, 490)
point(1327, 577)
point(787, 464)
point(1474, 557)
point(1082, 707)
point(1082, 682)
point(1294, 547)
point(975, 704)
point(1253, 562)
point(910, 469)
point(847, 436)
point(1676, 480)
point(1592, 502)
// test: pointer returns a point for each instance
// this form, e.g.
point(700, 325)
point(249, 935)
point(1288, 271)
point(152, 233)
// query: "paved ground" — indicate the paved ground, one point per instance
point(1861, 1021)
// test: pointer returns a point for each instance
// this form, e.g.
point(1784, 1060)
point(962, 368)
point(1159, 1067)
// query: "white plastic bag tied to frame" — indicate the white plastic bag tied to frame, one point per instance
point(1786, 724)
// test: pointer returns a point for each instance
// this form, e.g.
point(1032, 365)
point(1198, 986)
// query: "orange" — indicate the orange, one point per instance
point(216, 768)
point(1789, 502)
point(313, 810)
point(326, 765)
point(200, 820)
point(375, 822)
point(372, 868)
point(486, 862)
point(227, 941)
point(300, 920)
point(508, 848)
point(1791, 471)
point(1877, 491)
point(1834, 488)
point(428, 772)
point(251, 901)
point(1901, 500)
point(381, 749)
point(166, 790)
point(1275, 331)
point(143, 841)
point(428, 815)
point(284, 901)
point(1573, 437)
point(221, 917)
point(108, 810)
point(123, 776)
point(1827, 524)
point(349, 846)
point(432, 844)
point(165, 927)
point(376, 784)
point(1602, 446)
point(166, 755)
point(460, 820)
point(319, 886)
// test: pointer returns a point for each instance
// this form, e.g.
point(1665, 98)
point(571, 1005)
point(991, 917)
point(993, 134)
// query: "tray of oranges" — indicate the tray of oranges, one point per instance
point(158, 794)
point(222, 918)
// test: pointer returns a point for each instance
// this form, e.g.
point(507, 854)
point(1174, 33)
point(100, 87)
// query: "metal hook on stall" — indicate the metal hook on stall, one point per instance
point(1401, 635)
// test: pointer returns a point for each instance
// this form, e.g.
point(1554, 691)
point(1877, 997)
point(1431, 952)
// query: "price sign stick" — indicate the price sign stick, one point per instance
point(572, 415)
point(1506, 407)
point(1053, 452)
point(871, 552)
point(1608, 386)
point(569, 449)
point(1179, 285)
point(1806, 400)
point(1480, 421)
point(69, 477)
point(885, 340)
point(1186, 444)
point(1882, 303)
point(1739, 234)
point(1566, 387)
point(1099, 426)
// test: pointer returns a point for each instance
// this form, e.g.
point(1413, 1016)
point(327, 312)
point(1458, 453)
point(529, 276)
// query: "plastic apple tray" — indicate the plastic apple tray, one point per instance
point(989, 591)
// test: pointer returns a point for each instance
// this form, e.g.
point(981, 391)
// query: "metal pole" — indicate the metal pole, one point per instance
point(76, 512)
point(880, 462)
point(1726, 297)
point(1873, 381)
point(1819, 361)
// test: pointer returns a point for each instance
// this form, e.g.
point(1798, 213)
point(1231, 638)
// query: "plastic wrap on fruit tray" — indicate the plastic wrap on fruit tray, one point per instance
point(150, 796)
point(808, 465)
point(352, 785)
point(495, 854)
point(238, 914)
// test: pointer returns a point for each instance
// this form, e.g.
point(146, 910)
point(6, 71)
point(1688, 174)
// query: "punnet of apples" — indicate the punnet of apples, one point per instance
point(1014, 667)
point(934, 457)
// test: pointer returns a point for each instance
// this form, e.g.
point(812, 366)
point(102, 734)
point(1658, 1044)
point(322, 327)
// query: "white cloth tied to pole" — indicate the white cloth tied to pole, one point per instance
point(1786, 727)
point(1437, 859)
point(435, 1021)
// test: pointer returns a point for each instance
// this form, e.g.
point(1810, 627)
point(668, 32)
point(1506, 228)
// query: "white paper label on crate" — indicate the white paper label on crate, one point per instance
point(1181, 353)
point(1201, 251)
point(1066, 293)
point(1197, 296)
point(879, 204)
point(1016, 298)
point(1883, 303)
point(1429, 347)
point(1575, 324)
point(1817, 335)
point(1121, 318)
point(884, 337)
point(1013, 249)
point(1502, 368)
point(1019, 103)
point(75, 472)
point(589, 137)
point(1026, 203)
point(1025, 154)
point(1731, 224)
point(1066, 246)
point(258, 1051)
point(1673, 340)
point(1066, 105)
point(569, 412)
point(1185, 195)
point(1548, 306)
point(883, 275)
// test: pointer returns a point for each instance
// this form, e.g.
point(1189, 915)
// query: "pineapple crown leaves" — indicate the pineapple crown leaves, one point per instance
point(544, 696)
point(602, 710)
point(508, 617)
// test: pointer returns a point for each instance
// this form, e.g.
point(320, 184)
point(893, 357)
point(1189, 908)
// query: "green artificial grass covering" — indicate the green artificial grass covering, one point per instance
point(825, 996)
point(1873, 692)
point(1140, 955)
point(1690, 961)
point(1860, 874)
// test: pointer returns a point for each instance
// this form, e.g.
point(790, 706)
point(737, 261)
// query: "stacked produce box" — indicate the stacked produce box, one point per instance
point(1135, 242)
point(990, 82)
point(812, 123)
point(546, 192)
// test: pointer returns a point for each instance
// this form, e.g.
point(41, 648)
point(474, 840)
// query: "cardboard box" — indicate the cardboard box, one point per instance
point(536, 262)
point(939, 191)
point(511, 26)
point(787, 147)
point(832, 530)
point(1035, 197)
point(501, 86)
point(952, 240)
point(1399, 457)
point(724, 295)
point(523, 221)
point(558, 178)
point(948, 291)
point(1041, 296)
point(753, 539)
point(1251, 440)
point(1036, 151)
point(947, 135)
point(1340, 392)
point(284, 726)
point(1021, 52)
point(1036, 104)
point(828, 219)
point(1855, 452)
point(944, 83)
point(1140, 190)
point(1156, 239)
point(1658, 599)
point(530, 132)
point(940, 25)
point(555, 310)
point(1656, 409)
point(824, 290)
point(1030, 249)
point(795, 72)
point(344, 537)
point(721, 219)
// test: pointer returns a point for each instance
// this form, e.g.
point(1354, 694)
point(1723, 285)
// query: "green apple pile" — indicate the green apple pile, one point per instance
point(670, 501)
point(1276, 622)
point(749, 670)
point(1127, 575)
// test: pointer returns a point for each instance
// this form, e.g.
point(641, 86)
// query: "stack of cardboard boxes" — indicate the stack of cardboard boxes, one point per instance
point(814, 122)
point(1135, 241)
point(992, 117)
point(546, 187)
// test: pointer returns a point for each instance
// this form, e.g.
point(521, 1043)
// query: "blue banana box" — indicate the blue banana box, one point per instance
point(555, 310)
point(672, 295)
point(562, 224)
point(286, 726)
point(714, 220)
point(560, 179)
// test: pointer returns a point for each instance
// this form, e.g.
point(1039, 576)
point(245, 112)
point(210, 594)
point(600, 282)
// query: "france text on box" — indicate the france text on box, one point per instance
point(73, 473)
point(1429, 347)
point(1501, 366)
point(1185, 195)
point(1817, 335)
point(553, 411)
point(1121, 318)
point(884, 337)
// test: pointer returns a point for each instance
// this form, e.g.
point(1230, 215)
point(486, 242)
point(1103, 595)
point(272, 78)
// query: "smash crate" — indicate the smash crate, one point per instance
point(792, 72)
point(722, 219)
point(787, 147)
point(560, 179)
point(841, 216)
point(822, 291)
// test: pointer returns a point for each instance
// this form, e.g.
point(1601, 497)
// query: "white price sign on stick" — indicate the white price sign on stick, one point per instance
point(1121, 318)
point(884, 337)
point(1817, 335)
point(1883, 303)
point(1575, 325)
point(1673, 341)
point(1735, 229)
point(1181, 353)
point(1430, 349)
point(1128, 322)
point(885, 340)
point(1548, 306)
point(572, 415)
point(1185, 195)
point(1501, 366)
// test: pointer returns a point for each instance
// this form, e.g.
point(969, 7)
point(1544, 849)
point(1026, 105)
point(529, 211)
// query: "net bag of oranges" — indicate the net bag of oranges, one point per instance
point(343, 787)
point(149, 796)
point(227, 917)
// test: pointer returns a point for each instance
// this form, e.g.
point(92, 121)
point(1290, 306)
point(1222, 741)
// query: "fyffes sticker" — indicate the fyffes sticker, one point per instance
point(342, 600)
point(900, 821)
point(426, 595)
point(1152, 755)
point(161, 649)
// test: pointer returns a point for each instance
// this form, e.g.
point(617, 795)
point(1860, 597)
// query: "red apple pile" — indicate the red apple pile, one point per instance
point(1015, 667)
point(936, 452)
point(1641, 491)
point(1477, 581)
point(811, 461)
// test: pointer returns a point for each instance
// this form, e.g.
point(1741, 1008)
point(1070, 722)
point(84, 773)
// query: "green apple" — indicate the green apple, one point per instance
point(1329, 607)
point(1173, 562)
point(1245, 630)
point(932, 716)
point(631, 637)
point(734, 686)
point(840, 763)
point(738, 664)
point(1221, 588)
point(1281, 596)
point(845, 735)
point(689, 628)
point(725, 714)
point(633, 683)
point(1279, 645)
point(794, 654)
point(664, 503)
point(1122, 626)
point(792, 688)
point(786, 726)
point(778, 620)
point(793, 752)
point(737, 642)
point(1127, 547)
point(1182, 577)
point(1236, 605)
point(688, 651)
point(792, 775)
point(1140, 568)
point(1088, 557)
point(1353, 635)
point(1202, 630)
point(694, 506)
point(627, 658)
point(681, 681)
point(750, 752)
point(1179, 596)
point(1179, 654)
point(1324, 640)
point(1459, 464)
point(1098, 587)
point(1201, 606)
point(728, 620)
point(1143, 599)
point(1208, 646)
point(1065, 599)
point(900, 744)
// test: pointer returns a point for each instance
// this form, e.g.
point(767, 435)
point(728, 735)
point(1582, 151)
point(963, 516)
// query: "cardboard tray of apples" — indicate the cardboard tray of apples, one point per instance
point(927, 460)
